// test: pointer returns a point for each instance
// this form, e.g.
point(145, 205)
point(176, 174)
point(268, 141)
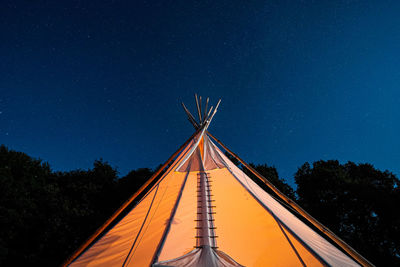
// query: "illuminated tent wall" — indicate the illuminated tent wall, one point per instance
point(205, 211)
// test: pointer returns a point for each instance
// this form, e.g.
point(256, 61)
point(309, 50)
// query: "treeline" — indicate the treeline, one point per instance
point(46, 215)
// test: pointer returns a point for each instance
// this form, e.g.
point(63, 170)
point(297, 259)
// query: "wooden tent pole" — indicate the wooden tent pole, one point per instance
point(198, 108)
point(126, 204)
point(190, 117)
point(205, 110)
point(294, 205)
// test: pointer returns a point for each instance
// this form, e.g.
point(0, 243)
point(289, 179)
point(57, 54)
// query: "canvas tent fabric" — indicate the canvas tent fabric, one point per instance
point(246, 225)
point(206, 212)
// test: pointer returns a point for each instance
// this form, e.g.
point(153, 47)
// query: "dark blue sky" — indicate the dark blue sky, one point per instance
point(299, 81)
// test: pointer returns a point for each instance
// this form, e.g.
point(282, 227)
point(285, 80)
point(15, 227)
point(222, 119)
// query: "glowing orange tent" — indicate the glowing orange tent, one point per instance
point(205, 211)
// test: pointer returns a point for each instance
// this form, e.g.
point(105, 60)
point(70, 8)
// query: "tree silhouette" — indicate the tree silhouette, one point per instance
point(358, 203)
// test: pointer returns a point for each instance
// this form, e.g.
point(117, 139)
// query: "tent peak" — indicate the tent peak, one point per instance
point(205, 116)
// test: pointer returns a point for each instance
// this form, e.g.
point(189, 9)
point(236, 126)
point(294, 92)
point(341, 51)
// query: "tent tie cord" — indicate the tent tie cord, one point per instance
point(205, 228)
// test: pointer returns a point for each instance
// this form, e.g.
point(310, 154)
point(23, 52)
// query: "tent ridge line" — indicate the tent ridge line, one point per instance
point(360, 259)
point(141, 227)
point(127, 203)
point(289, 241)
point(147, 226)
point(171, 217)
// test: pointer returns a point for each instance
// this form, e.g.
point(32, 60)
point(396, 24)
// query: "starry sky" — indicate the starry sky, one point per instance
point(299, 80)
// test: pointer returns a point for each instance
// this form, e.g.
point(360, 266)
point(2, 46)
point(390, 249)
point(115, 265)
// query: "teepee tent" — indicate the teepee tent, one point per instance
point(205, 211)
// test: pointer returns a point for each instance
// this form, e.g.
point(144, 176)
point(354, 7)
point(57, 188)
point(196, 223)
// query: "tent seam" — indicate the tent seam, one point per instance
point(166, 231)
point(140, 230)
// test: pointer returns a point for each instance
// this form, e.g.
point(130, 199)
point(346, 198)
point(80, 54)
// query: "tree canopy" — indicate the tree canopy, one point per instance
point(357, 202)
point(46, 215)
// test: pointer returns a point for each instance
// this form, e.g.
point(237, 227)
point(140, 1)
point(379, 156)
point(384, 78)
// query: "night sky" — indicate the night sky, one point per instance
point(299, 80)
